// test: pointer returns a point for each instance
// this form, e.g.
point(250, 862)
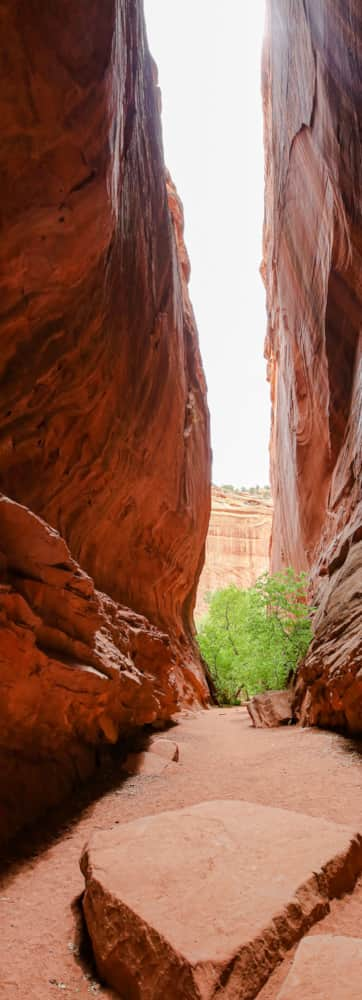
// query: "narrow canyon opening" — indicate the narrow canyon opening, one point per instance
point(217, 165)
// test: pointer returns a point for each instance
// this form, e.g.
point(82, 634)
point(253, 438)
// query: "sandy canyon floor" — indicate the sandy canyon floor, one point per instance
point(43, 949)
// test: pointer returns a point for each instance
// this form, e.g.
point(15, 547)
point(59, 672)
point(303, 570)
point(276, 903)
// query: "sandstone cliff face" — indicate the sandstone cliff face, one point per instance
point(77, 669)
point(312, 268)
point(237, 546)
point(103, 415)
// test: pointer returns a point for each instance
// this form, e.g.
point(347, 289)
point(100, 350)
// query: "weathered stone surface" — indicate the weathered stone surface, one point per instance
point(312, 270)
point(103, 416)
point(77, 669)
point(326, 967)
point(165, 748)
point(202, 901)
point(273, 708)
point(237, 545)
point(104, 424)
point(328, 686)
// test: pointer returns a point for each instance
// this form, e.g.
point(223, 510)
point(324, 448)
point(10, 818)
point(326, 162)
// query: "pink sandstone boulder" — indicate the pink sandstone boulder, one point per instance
point(165, 748)
point(203, 901)
point(273, 708)
point(326, 967)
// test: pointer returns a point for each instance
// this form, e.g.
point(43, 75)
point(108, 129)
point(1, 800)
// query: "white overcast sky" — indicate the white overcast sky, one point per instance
point(208, 54)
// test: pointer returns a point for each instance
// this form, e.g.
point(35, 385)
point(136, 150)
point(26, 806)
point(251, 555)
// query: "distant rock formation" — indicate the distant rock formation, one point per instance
point(237, 547)
point(312, 270)
point(104, 423)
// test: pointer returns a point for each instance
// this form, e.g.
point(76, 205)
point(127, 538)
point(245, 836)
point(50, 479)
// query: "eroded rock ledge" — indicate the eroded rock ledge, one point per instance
point(104, 429)
point(77, 669)
point(312, 269)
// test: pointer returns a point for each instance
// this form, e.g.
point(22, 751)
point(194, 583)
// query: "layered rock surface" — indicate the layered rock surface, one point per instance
point(77, 669)
point(103, 416)
point(271, 709)
point(312, 269)
point(237, 546)
point(202, 902)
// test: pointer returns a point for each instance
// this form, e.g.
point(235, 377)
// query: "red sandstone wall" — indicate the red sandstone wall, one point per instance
point(312, 268)
point(104, 429)
point(237, 546)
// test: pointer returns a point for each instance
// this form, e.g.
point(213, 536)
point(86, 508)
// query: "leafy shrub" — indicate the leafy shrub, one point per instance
point(252, 639)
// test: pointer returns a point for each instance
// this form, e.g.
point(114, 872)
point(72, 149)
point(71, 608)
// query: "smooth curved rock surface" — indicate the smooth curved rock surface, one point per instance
point(202, 902)
point(104, 428)
point(237, 544)
point(104, 423)
point(312, 270)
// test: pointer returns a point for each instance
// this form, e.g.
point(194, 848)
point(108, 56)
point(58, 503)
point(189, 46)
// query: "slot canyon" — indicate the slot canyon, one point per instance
point(208, 849)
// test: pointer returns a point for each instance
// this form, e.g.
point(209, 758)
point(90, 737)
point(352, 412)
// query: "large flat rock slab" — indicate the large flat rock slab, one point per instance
point(326, 967)
point(201, 902)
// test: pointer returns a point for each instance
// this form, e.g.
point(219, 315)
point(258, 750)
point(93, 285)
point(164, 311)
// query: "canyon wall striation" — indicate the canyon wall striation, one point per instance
point(104, 428)
point(237, 545)
point(312, 73)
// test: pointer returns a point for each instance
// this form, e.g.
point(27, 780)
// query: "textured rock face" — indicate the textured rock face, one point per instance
point(103, 416)
point(328, 686)
point(271, 709)
point(104, 424)
point(201, 902)
point(77, 669)
point(237, 546)
point(325, 966)
point(312, 269)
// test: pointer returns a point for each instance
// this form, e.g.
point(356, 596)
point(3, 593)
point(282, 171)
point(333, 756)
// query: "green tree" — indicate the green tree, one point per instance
point(252, 639)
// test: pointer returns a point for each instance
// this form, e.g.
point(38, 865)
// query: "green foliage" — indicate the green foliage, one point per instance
point(252, 639)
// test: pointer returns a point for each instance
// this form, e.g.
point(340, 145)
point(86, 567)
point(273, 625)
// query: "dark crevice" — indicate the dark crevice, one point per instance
point(339, 559)
point(84, 182)
point(341, 346)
